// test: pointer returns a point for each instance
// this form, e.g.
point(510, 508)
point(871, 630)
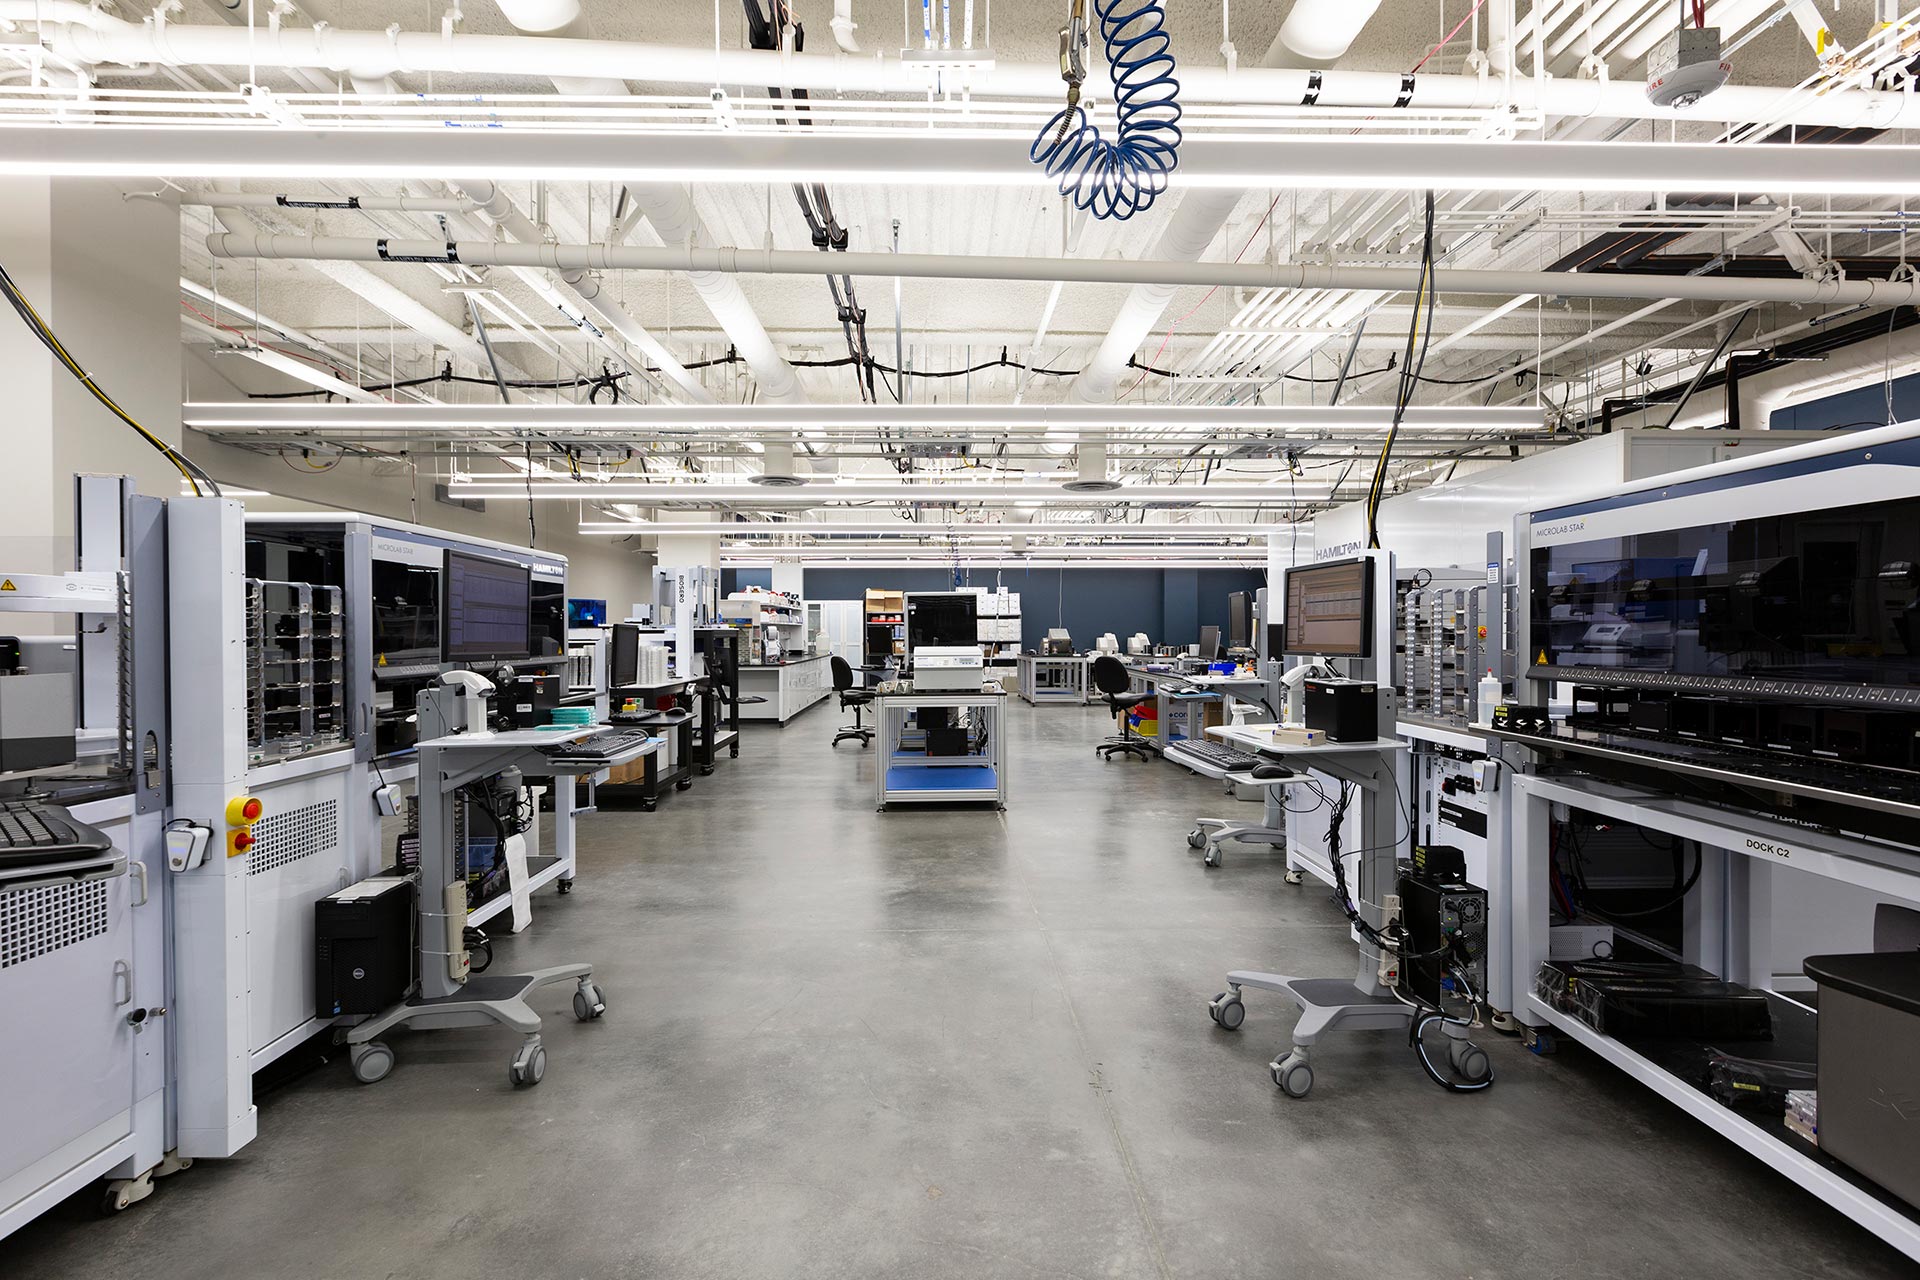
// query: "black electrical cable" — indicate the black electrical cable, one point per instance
point(1410, 370)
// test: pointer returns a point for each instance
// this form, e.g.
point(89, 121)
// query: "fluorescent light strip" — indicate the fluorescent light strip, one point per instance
point(813, 495)
point(73, 148)
point(905, 529)
point(426, 419)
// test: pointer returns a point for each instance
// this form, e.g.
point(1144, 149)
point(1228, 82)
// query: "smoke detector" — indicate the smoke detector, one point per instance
point(1685, 67)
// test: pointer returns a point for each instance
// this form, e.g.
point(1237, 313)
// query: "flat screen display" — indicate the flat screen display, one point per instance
point(1329, 610)
point(937, 618)
point(489, 608)
point(623, 662)
point(1239, 613)
point(586, 613)
point(406, 615)
point(1824, 596)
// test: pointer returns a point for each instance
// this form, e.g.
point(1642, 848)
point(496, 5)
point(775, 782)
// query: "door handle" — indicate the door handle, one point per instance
point(138, 869)
point(123, 981)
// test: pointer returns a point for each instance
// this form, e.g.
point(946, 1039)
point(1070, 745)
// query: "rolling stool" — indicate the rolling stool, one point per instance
point(850, 696)
point(1111, 679)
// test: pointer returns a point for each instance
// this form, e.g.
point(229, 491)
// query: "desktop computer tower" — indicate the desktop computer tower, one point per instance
point(363, 946)
point(1442, 911)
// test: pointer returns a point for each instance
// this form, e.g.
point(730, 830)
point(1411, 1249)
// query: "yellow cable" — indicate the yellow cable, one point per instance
point(54, 344)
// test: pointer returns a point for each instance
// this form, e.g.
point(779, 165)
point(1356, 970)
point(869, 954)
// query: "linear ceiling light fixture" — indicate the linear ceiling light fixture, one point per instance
point(626, 419)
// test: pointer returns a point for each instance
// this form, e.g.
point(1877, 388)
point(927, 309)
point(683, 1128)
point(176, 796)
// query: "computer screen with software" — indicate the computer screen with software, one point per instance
point(1330, 609)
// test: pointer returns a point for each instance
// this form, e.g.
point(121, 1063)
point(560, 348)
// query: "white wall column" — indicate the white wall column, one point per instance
point(102, 268)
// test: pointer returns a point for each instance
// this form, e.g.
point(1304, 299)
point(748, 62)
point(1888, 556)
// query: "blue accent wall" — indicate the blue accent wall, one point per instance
point(1170, 605)
point(1860, 407)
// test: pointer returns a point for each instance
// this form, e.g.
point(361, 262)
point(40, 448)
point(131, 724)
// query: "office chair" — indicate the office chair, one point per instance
point(850, 697)
point(1111, 679)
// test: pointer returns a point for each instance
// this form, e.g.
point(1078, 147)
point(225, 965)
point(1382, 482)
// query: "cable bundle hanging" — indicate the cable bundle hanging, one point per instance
point(189, 470)
point(1420, 331)
point(1120, 178)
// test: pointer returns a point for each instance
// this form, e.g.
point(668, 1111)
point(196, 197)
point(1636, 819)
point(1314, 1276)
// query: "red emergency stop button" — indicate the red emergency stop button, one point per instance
point(243, 810)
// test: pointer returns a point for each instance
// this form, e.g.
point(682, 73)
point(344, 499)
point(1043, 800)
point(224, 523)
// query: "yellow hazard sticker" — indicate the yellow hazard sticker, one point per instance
point(1541, 661)
point(8, 585)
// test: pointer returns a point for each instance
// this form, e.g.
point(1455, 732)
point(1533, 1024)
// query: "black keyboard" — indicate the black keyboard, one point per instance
point(33, 832)
point(605, 746)
point(1219, 755)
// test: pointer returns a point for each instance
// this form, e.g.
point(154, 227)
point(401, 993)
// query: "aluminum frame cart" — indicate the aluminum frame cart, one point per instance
point(904, 776)
point(447, 763)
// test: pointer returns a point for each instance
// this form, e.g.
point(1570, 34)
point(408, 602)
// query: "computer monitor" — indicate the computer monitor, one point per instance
point(942, 618)
point(586, 613)
point(623, 656)
point(1209, 642)
point(1329, 610)
point(488, 607)
point(1239, 620)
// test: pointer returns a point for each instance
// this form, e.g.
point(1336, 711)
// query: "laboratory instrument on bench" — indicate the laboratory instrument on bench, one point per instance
point(1331, 610)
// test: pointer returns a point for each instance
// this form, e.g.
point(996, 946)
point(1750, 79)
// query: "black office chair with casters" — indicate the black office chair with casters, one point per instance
point(850, 697)
point(1111, 679)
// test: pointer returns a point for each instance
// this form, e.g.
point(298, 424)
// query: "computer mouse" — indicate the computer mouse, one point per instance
point(1268, 772)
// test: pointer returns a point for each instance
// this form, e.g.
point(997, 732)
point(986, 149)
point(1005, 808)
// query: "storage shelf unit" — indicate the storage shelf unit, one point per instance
point(1739, 853)
point(886, 627)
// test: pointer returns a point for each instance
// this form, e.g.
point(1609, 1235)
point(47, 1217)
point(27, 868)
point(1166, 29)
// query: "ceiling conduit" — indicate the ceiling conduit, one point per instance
point(670, 209)
point(92, 37)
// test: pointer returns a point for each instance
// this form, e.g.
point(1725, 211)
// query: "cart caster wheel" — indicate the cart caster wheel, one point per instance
point(683, 785)
point(1213, 857)
point(529, 1066)
point(566, 886)
point(707, 772)
point(1293, 1075)
point(648, 806)
point(588, 1003)
point(1227, 1011)
point(735, 753)
point(124, 1193)
point(1293, 877)
point(371, 1062)
point(1473, 1065)
point(171, 1164)
point(1196, 839)
point(1543, 1043)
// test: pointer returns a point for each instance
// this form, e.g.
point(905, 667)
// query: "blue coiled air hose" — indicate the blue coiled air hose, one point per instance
point(1120, 178)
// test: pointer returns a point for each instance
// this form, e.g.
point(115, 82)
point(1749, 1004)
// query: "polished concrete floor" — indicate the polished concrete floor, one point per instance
point(952, 1043)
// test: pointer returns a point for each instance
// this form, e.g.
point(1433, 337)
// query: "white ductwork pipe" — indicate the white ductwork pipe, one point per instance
point(92, 37)
point(933, 266)
point(1314, 34)
point(270, 359)
point(670, 209)
point(843, 25)
point(563, 18)
point(490, 200)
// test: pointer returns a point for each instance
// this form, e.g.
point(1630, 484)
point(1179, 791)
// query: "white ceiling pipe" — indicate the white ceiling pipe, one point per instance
point(670, 209)
point(843, 25)
point(1314, 34)
point(497, 205)
point(564, 18)
point(1249, 275)
point(372, 339)
point(93, 37)
point(408, 310)
point(273, 200)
